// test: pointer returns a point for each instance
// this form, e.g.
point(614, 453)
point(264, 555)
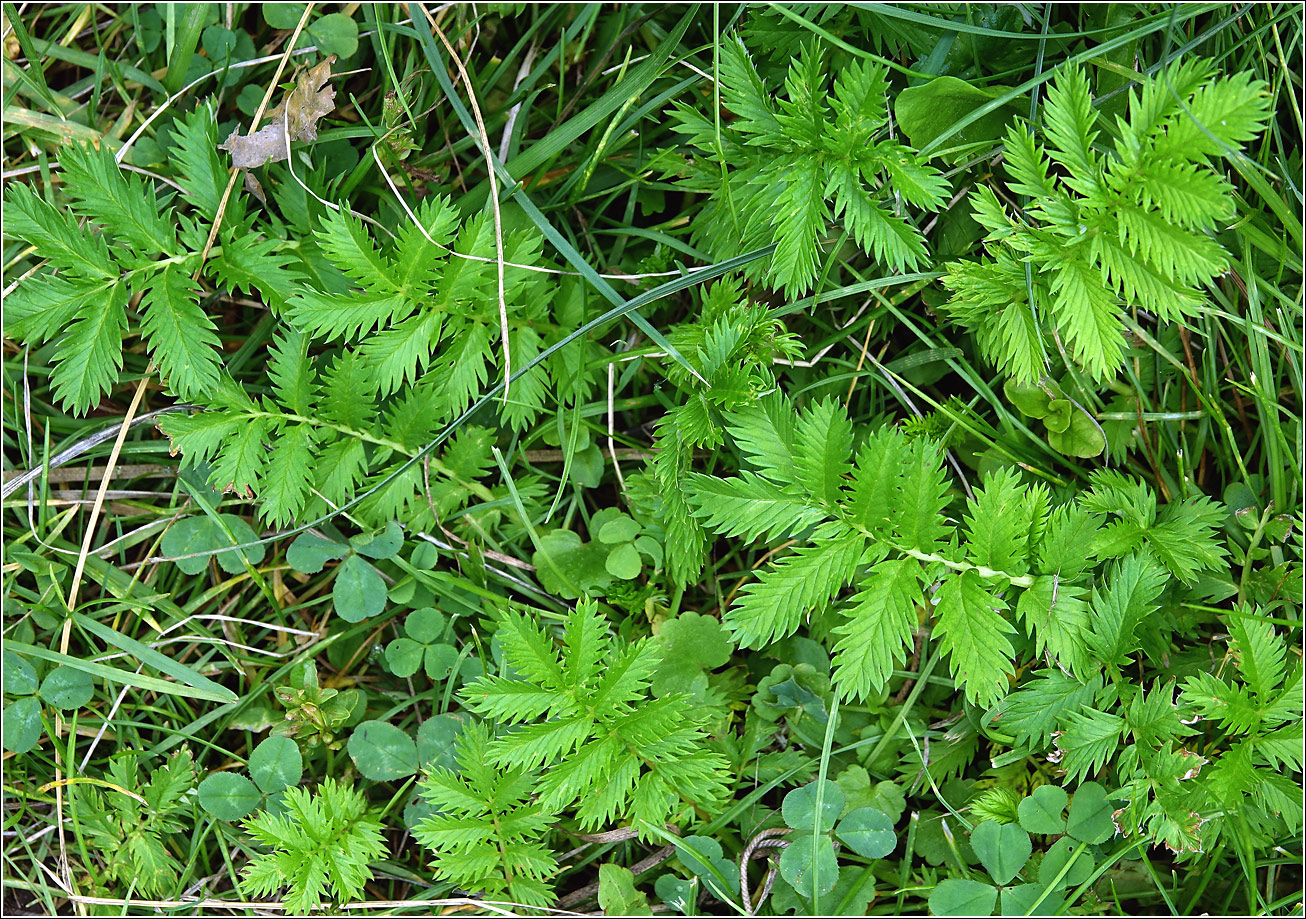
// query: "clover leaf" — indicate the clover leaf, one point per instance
point(424, 629)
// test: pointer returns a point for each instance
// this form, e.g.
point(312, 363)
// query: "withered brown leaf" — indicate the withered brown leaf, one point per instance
point(297, 116)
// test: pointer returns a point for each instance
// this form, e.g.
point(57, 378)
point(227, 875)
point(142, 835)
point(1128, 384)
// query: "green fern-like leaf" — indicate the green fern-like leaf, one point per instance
point(487, 837)
point(284, 487)
point(791, 161)
point(1112, 229)
point(1068, 121)
point(1268, 694)
point(733, 343)
point(1261, 656)
point(743, 91)
point(56, 236)
point(1032, 713)
point(182, 337)
point(1181, 535)
point(919, 499)
point(801, 215)
point(774, 606)
point(88, 357)
point(322, 844)
point(999, 524)
point(383, 365)
point(873, 497)
point(879, 626)
point(128, 833)
point(972, 630)
point(750, 507)
point(1088, 741)
point(603, 743)
point(253, 266)
point(1121, 605)
point(823, 443)
point(239, 466)
point(125, 206)
point(42, 308)
point(290, 371)
point(1057, 616)
point(203, 177)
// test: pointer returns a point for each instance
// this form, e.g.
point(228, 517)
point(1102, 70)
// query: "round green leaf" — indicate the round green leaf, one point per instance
point(1090, 815)
point(678, 893)
point(248, 101)
point(1239, 496)
point(19, 676)
point(310, 552)
point(404, 656)
point(1058, 417)
point(588, 466)
point(275, 804)
point(617, 893)
point(283, 15)
point(149, 30)
point(1278, 528)
point(382, 752)
point(425, 625)
point(186, 536)
point(1057, 858)
point(704, 857)
point(853, 892)
point(651, 548)
point(568, 567)
point(257, 717)
point(303, 675)
point(809, 865)
point(232, 560)
point(219, 44)
point(624, 562)
point(691, 644)
point(470, 670)
point(276, 763)
point(402, 592)
point(618, 529)
point(887, 798)
point(359, 591)
point(437, 739)
point(867, 832)
point(349, 707)
point(1020, 900)
point(1042, 811)
point(424, 556)
point(1248, 517)
point(228, 795)
point(149, 155)
point(960, 897)
point(440, 660)
point(417, 810)
point(936, 841)
point(22, 724)
point(799, 807)
point(926, 111)
point(67, 688)
point(1003, 849)
point(385, 544)
point(1083, 438)
point(1030, 399)
point(335, 34)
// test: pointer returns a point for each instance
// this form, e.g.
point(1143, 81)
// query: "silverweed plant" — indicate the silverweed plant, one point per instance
point(557, 458)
